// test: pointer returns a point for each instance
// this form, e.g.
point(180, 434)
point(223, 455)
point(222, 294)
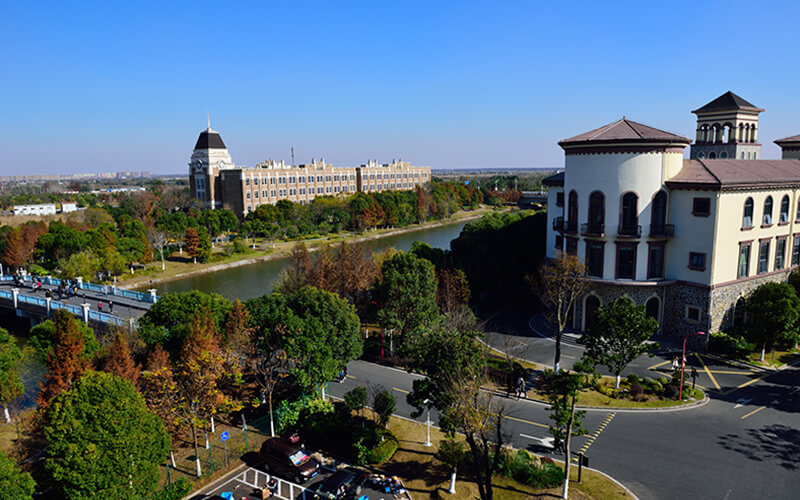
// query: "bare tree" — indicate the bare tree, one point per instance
point(561, 282)
point(159, 241)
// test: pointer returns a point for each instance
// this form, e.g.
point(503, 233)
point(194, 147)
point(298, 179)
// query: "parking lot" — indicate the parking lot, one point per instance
point(247, 484)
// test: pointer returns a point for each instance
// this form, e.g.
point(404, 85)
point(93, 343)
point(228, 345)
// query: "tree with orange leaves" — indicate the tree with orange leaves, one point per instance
point(120, 362)
point(13, 255)
point(65, 361)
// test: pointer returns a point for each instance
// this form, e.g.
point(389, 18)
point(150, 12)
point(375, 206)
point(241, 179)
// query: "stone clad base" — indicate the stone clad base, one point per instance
point(716, 305)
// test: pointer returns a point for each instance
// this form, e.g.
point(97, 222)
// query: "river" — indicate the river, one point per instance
point(255, 280)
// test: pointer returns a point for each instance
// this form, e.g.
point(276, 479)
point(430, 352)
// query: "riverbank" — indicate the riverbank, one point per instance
point(177, 270)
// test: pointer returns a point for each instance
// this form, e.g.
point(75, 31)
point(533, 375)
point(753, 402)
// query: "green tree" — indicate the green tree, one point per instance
point(407, 294)
point(384, 405)
point(620, 335)
point(356, 399)
point(774, 310)
point(317, 329)
point(102, 440)
point(203, 245)
point(14, 482)
point(451, 453)
point(169, 320)
point(297, 273)
point(43, 335)
point(562, 391)
point(84, 264)
point(11, 386)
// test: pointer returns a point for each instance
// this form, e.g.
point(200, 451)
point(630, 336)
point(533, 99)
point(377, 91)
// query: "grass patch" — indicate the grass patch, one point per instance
point(775, 359)
point(426, 477)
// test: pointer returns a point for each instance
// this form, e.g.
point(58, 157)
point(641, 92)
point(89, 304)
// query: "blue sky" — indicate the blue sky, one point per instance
point(125, 86)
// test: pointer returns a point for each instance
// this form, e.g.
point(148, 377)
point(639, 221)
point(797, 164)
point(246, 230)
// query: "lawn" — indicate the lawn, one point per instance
point(775, 359)
point(426, 477)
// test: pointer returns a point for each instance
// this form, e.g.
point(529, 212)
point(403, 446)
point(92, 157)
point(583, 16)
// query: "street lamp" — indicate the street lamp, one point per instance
point(683, 361)
point(427, 403)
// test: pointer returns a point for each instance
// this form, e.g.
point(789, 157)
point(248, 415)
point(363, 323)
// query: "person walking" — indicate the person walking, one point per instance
point(110, 306)
point(100, 306)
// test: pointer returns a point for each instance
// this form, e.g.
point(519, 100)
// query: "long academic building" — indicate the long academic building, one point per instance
point(688, 238)
point(217, 182)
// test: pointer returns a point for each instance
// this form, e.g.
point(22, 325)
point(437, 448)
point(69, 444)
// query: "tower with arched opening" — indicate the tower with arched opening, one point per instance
point(727, 128)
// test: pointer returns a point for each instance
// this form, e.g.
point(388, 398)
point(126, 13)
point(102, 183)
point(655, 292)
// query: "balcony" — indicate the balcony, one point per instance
point(662, 230)
point(596, 230)
point(558, 224)
point(629, 231)
point(571, 226)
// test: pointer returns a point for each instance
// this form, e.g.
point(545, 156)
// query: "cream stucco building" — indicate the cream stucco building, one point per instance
point(217, 182)
point(686, 238)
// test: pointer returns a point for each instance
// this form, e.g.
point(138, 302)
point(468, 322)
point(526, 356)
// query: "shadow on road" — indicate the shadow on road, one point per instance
point(774, 443)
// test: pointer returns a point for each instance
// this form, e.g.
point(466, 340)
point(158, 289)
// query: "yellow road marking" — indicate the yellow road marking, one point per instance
point(750, 382)
point(727, 372)
point(590, 439)
point(660, 364)
point(400, 390)
point(707, 371)
point(527, 422)
point(752, 412)
point(350, 376)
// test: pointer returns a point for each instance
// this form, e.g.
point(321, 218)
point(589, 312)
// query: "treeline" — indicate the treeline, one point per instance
point(99, 243)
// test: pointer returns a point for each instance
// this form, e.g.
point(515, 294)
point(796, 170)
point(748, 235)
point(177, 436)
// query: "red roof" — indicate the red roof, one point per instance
point(624, 131)
point(736, 174)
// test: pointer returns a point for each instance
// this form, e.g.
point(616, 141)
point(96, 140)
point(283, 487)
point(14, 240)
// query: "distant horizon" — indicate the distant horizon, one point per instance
point(122, 87)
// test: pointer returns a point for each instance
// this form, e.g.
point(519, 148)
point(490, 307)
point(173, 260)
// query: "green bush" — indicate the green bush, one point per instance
point(529, 470)
point(239, 246)
point(656, 387)
point(384, 450)
point(633, 379)
point(178, 490)
point(729, 345)
point(373, 446)
point(663, 381)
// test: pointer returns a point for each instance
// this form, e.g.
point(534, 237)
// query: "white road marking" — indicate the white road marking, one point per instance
point(741, 402)
point(545, 441)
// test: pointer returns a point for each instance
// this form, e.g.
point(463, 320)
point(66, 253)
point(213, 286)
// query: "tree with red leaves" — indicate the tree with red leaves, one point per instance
point(65, 361)
point(120, 362)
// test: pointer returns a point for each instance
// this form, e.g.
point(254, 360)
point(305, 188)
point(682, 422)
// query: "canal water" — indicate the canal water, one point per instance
point(255, 280)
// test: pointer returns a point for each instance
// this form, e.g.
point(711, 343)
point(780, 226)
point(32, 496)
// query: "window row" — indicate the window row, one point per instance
point(765, 257)
point(724, 155)
point(300, 179)
point(628, 214)
point(392, 176)
point(766, 215)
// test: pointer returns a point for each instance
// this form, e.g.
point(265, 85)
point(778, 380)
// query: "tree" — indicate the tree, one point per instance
point(102, 441)
point(452, 291)
point(66, 361)
point(407, 294)
point(120, 362)
point(451, 453)
point(84, 264)
point(159, 241)
point(356, 399)
point(561, 282)
point(620, 335)
point(14, 482)
point(13, 254)
point(11, 386)
point(774, 310)
point(296, 275)
point(203, 244)
point(318, 330)
point(384, 405)
point(562, 391)
point(43, 335)
point(192, 242)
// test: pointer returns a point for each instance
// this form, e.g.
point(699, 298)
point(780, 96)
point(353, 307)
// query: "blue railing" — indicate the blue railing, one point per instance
point(6, 294)
point(93, 287)
point(32, 300)
point(106, 318)
point(131, 294)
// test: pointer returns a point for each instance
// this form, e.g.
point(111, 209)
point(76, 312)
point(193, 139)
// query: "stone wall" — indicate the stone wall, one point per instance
point(723, 299)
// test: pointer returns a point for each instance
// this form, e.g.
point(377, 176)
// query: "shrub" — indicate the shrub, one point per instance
point(636, 390)
point(526, 469)
point(384, 450)
point(633, 379)
point(670, 391)
point(239, 246)
point(656, 387)
point(639, 398)
point(663, 381)
point(729, 345)
point(647, 381)
point(356, 399)
point(384, 405)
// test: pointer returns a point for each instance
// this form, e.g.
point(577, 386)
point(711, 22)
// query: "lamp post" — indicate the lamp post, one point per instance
point(428, 422)
point(683, 361)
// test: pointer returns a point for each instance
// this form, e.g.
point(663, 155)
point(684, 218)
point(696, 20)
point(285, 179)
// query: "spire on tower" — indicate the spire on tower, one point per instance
point(208, 117)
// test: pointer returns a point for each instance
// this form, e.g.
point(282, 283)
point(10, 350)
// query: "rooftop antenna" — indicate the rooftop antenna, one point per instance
point(292, 155)
point(208, 117)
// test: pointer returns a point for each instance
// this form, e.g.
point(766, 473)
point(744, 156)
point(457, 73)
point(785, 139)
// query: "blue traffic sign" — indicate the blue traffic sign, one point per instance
point(224, 436)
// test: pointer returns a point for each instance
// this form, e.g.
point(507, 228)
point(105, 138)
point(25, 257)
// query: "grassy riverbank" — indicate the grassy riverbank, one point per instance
point(178, 267)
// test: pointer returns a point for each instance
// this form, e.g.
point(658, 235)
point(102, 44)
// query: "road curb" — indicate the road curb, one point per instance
point(213, 484)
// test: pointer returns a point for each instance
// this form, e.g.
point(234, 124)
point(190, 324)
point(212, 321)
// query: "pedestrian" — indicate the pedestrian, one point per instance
point(110, 306)
point(675, 364)
point(520, 387)
point(100, 306)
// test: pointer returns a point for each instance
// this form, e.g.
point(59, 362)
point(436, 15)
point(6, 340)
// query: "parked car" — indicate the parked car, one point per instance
point(344, 483)
point(289, 459)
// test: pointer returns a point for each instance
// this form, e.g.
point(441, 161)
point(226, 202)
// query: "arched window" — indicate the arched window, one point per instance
point(723, 155)
point(767, 219)
point(797, 214)
point(755, 155)
point(590, 308)
point(741, 135)
point(629, 217)
point(738, 313)
point(742, 155)
point(701, 156)
point(748, 155)
point(652, 308)
point(784, 209)
point(572, 212)
point(747, 220)
point(658, 214)
point(597, 212)
point(712, 155)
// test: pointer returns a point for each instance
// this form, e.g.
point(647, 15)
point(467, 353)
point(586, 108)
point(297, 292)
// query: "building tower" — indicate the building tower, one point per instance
point(790, 147)
point(209, 157)
point(727, 127)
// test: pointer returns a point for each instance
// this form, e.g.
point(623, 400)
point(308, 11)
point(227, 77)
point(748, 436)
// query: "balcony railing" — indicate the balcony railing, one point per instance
point(662, 230)
point(630, 231)
point(593, 229)
point(571, 226)
point(558, 224)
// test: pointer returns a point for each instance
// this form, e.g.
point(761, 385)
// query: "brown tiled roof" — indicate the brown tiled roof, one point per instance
point(554, 180)
point(794, 138)
point(736, 174)
point(623, 131)
point(727, 102)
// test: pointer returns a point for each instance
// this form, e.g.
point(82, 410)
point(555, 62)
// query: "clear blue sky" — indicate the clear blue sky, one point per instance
point(125, 85)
